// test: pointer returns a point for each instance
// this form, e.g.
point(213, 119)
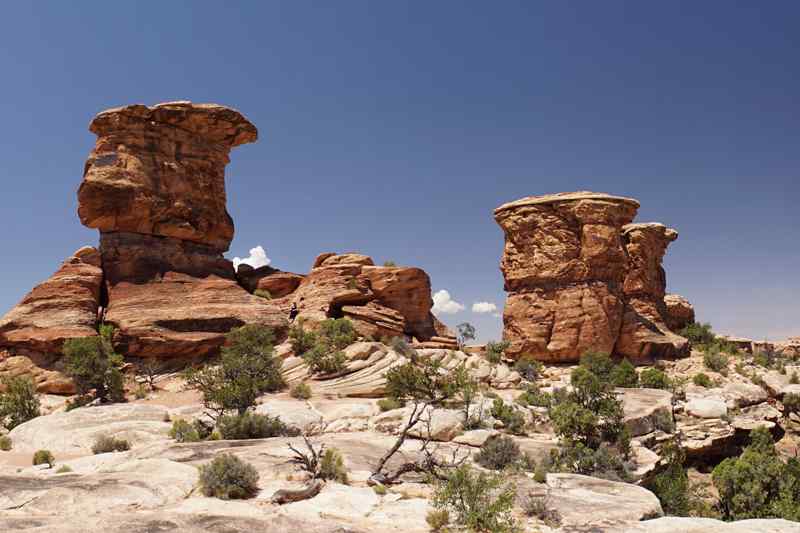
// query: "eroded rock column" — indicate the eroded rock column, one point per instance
point(564, 264)
point(645, 335)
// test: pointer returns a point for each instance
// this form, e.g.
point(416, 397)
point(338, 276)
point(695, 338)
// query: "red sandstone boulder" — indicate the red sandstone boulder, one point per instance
point(161, 171)
point(65, 306)
point(563, 264)
point(277, 283)
point(679, 312)
point(407, 290)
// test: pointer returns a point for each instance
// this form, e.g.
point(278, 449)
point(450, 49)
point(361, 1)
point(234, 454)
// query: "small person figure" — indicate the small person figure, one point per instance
point(293, 312)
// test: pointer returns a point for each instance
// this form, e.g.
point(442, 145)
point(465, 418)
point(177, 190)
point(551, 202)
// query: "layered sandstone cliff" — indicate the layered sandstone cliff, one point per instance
point(580, 277)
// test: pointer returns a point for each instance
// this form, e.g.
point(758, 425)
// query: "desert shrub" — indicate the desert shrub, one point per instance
point(331, 466)
point(534, 397)
point(715, 360)
point(401, 346)
point(325, 356)
point(63, 469)
point(654, 378)
point(42, 457)
point(140, 392)
point(762, 359)
point(301, 339)
point(663, 420)
point(107, 444)
point(388, 404)
point(540, 473)
point(227, 477)
point(598, 363)
point(588, 422)
point(701, 380)
point(301, 391)
point(252, 426)
point(791, 403)
point(698, 334)
point(758, 484)
point(5, 443)
point(512, 419)
point(247, 368)
point(380, 490)
point(438, 519)
point(476, 500)
point(496, 350)
point(262, 293)
point(537, 505)
point(18, 402)
point(671, 484)
point(183, 431)
point(794, 379)
point(93, 365)
point(498, 453)
point(389, 263)
point(78, 401)
point(624, 375)
point(528, 368)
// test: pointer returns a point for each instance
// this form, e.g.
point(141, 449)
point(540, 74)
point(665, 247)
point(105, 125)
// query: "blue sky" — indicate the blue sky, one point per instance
point(394, 129)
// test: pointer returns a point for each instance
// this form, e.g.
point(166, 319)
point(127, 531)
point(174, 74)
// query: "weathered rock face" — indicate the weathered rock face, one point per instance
point(381, 301)
point(161, 171)
point(564, 264)
point(63, 307)
point(277, 283)
point(175, 298)
point(680, 312)
point(645, 335)
point(581, 276)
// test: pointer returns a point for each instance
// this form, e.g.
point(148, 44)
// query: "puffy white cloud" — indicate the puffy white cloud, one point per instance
point(258, 258)
point(444, 304)
point(484, 307)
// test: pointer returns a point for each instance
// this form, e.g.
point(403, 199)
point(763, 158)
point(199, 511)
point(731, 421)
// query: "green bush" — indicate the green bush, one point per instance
point(537, 505)
point(528, 368)
point(791, 403)
point(331, 466)
point(301, 391)
point(701, 380)
point(438, 519)
point(262, 293)
point(476, 500)
point(401, 346)
point(654, 378)
point(389, 263)
point(598, 363)
point(227, 477)
point(322, 350)
point(252, 426)
point(5, 443)
point(698, 334)
point(758, 484)
point(380, 490)
point(496, 350)
point(512, 419)
point(498, 453)
point(18, 401)
point(388, 404)
point(183, 431)
point(671, 484)
point(534, 397)
point(624, 375)
point(247, 368)
point(63, 469)
point(93, 365)
point(716, 360)
point(107, 444)
point(42, 457)
point(794, 379)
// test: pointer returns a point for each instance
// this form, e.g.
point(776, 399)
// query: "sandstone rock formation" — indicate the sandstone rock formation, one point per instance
point(581, 276)
point(645, 335)
point(563, 264)
point(679, 312)
point(63, 307)
point(275, 282)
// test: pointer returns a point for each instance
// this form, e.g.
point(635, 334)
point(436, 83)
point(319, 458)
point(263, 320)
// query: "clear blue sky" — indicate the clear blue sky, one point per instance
point(394, 129)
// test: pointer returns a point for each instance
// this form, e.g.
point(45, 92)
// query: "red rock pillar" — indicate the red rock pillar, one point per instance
point(563, 264)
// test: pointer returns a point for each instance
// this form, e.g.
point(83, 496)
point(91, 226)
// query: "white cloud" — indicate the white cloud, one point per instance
point(258, 258)
point(444, 304)
point(484, 307)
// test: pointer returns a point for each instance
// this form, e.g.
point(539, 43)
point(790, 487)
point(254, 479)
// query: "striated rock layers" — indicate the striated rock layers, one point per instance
point(154, 186)
point(581, 277)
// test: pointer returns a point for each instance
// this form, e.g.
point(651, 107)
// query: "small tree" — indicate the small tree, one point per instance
point(466, 332)
point(496, 350)
point(18, 402)
point(247, 368)
point(94, 366)
point(477, 500)
point(671, 484)
point(322, 350)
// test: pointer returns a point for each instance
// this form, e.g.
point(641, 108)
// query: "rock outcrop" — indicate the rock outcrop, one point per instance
point(580, 276)
point(564, 264)
point(645, 335)
point(63, 307)
point(679, 312)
